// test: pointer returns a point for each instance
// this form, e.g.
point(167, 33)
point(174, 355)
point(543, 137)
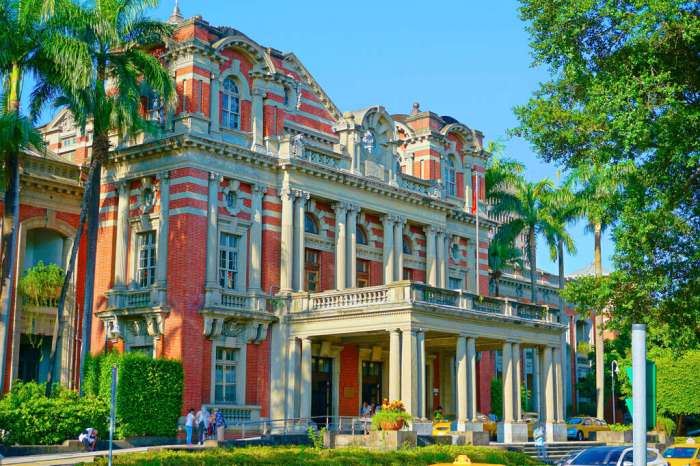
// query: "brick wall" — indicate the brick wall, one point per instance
point(349, 389)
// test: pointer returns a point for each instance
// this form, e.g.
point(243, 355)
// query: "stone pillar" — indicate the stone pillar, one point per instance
point(305, 388)
point(214, 101)
point(163, 229)
point(398, 249)
point(462, 383)
point(548, 385)
point(292, 368)
point(554, 431)
point(537, 382)
point(258, 192)
point(278, 364)
point(257, 114)
point(471, 379)
point(430, 264)
point(212, 230)
point(340, 245)
point(441, 280)
point(394, 365)
point(298, 255)
point(559, 385)
point(122, 243)
point(507, 383)
point(420, 376)
point(446, 255)
point(409, 364)
point(351, 261)
point(388, 223)
point(517, 377)
point(287, 240)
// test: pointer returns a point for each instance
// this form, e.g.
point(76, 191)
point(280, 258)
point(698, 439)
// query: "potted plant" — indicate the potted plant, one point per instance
point(40, 285)
point(391, 416)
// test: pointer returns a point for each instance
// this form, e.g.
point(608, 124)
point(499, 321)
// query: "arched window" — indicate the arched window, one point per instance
point(407, 248)
point(455, 251)
point(310, 224)
point(230, 103)
point(361, 235)
point(451, 174)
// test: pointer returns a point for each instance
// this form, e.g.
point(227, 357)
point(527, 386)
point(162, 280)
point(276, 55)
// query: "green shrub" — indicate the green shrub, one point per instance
point(149, 392)
point(620, 427)
point(497, 397)
point(41, 285)
point(337, 456)
point(665, 424)
point(29, 418)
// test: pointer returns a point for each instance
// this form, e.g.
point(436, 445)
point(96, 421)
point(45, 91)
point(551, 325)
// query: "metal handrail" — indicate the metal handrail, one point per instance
point(335, 424)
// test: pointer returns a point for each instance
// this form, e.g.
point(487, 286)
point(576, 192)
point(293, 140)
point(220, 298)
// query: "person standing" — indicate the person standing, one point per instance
point(538, 433)
point(189, 422)
point(203, 424)
point(220, 426)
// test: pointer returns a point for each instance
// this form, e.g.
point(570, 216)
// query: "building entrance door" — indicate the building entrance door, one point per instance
point(321, 389)
point(372, 382)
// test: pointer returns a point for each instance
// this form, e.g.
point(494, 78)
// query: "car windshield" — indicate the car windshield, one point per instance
point(575, 420)
point(598, 456)
point(679, 452)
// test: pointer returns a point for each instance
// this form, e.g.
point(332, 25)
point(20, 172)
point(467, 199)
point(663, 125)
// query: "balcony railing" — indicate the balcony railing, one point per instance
point(139, 298)
point(409, 293)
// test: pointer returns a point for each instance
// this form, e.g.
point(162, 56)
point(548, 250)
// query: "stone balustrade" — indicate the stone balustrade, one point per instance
point(129, 299)
point(411, 293)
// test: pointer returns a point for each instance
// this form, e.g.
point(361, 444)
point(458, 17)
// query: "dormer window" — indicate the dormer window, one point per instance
point(369, 142)
point(230, 103)
point(451, 181)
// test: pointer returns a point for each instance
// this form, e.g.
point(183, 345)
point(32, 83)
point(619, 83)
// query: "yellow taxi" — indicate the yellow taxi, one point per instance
point(464, 459)
point(683, 454)
point(580, 427)
point(441, 428)
point(531, 420)
point(444, 427)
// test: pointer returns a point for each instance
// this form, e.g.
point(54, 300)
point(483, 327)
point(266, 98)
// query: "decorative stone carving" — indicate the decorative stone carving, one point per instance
point(368, 142)
point(247, 331)
point(146, 198)
point(298, 146)
point(113, 329)
point(232, 200)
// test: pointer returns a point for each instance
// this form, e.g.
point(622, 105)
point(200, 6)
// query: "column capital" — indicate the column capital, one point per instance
point(164, 175)
point(341, 206)
point(123, 186)
point(258, 189)
point(302, 195)
point(429, 229)
point(286, 193)
point(389, 218)
point(258, 92)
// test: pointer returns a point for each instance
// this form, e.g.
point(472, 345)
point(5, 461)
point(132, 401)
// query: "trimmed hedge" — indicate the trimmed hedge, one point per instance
point(308, 456)
point(149, 392)
point(27, 417)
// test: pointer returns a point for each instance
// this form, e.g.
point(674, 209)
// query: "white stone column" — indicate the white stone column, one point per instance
point(163, 229)
point(471, 379)
point(305, 404)
point(258, 192)
point(462, 383)
point(517, 405)
point(398, 249)
point(559, 385)
point(537, 382)
point(394, 365)
point(351, 262)
point(507, 383)
point(292, 370)
point(278, 372)
point(287, 241)
point(214, 102)
point(340, 245)
point(299, 212)
point(430, 262)
point(388, 223)
point(549, 386)
point(409, 365)
point(122, 243)
point(446, 255)
point(257, 116)
point(212, 230)
point(421, 372)
point(441, 280)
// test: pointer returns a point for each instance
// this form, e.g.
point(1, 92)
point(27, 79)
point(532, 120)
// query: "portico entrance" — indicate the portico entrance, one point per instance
point(321, 388)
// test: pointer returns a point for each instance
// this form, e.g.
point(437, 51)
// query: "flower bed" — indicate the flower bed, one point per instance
point(392, 416)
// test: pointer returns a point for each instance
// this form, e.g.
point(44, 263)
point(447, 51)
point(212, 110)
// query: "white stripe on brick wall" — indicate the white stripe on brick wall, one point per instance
point(108, 223)
point(109, 208)
point(189, 179)
point(188, 210)
point(189, 195)
point(108, 194)
point(275, 228)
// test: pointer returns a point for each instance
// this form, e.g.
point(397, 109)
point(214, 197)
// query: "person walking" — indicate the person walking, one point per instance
point(189, 423)
point(204, 426)
point(538, 434)
point(198, 426)
point(220, 426)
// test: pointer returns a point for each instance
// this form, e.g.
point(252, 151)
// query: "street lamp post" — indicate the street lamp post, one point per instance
point(614, 368)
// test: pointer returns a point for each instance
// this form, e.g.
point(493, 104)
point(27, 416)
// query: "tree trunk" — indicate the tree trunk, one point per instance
point(533, 264)
point(10, 223)
point(100, 150)
point(599, 343)
point(58, 324)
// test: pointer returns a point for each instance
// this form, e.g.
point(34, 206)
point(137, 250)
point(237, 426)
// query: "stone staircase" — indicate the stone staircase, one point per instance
point(555, 451)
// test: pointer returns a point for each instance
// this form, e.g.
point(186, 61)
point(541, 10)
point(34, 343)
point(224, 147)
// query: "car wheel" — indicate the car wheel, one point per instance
point(579, 436)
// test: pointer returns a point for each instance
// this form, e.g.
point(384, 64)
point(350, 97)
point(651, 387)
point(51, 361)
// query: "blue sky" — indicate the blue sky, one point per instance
point(465, 58)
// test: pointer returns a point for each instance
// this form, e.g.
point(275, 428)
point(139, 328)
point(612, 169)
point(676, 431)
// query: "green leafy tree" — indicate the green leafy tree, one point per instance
point(502, 254)
point(33, 42)
point(497, 397)
point(118, 37)
point(624, 87)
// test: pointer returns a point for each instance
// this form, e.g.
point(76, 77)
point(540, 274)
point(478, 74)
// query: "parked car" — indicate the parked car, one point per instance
point(683, 454)
point(565, 460)
point(614, 456)
point(580, 427)
point(442, 428)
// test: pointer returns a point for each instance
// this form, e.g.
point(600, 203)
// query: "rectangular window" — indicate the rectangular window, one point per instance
point(146, 267)
point(225, 375)
point(407, 274)
point(312, 267)
point(228, 260)
point(455, 283)
point(362, 273)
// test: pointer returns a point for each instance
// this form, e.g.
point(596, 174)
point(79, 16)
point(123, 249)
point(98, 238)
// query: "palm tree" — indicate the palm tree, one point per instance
point(32, 42)
point(598, 187)
point(503, 253)
point(117, 35)
point(524, 203)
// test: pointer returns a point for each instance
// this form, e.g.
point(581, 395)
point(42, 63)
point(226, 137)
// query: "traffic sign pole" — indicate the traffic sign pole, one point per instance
point(639, 394)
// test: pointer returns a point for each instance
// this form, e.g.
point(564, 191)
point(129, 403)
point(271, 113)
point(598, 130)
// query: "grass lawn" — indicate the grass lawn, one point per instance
point(307, 455)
